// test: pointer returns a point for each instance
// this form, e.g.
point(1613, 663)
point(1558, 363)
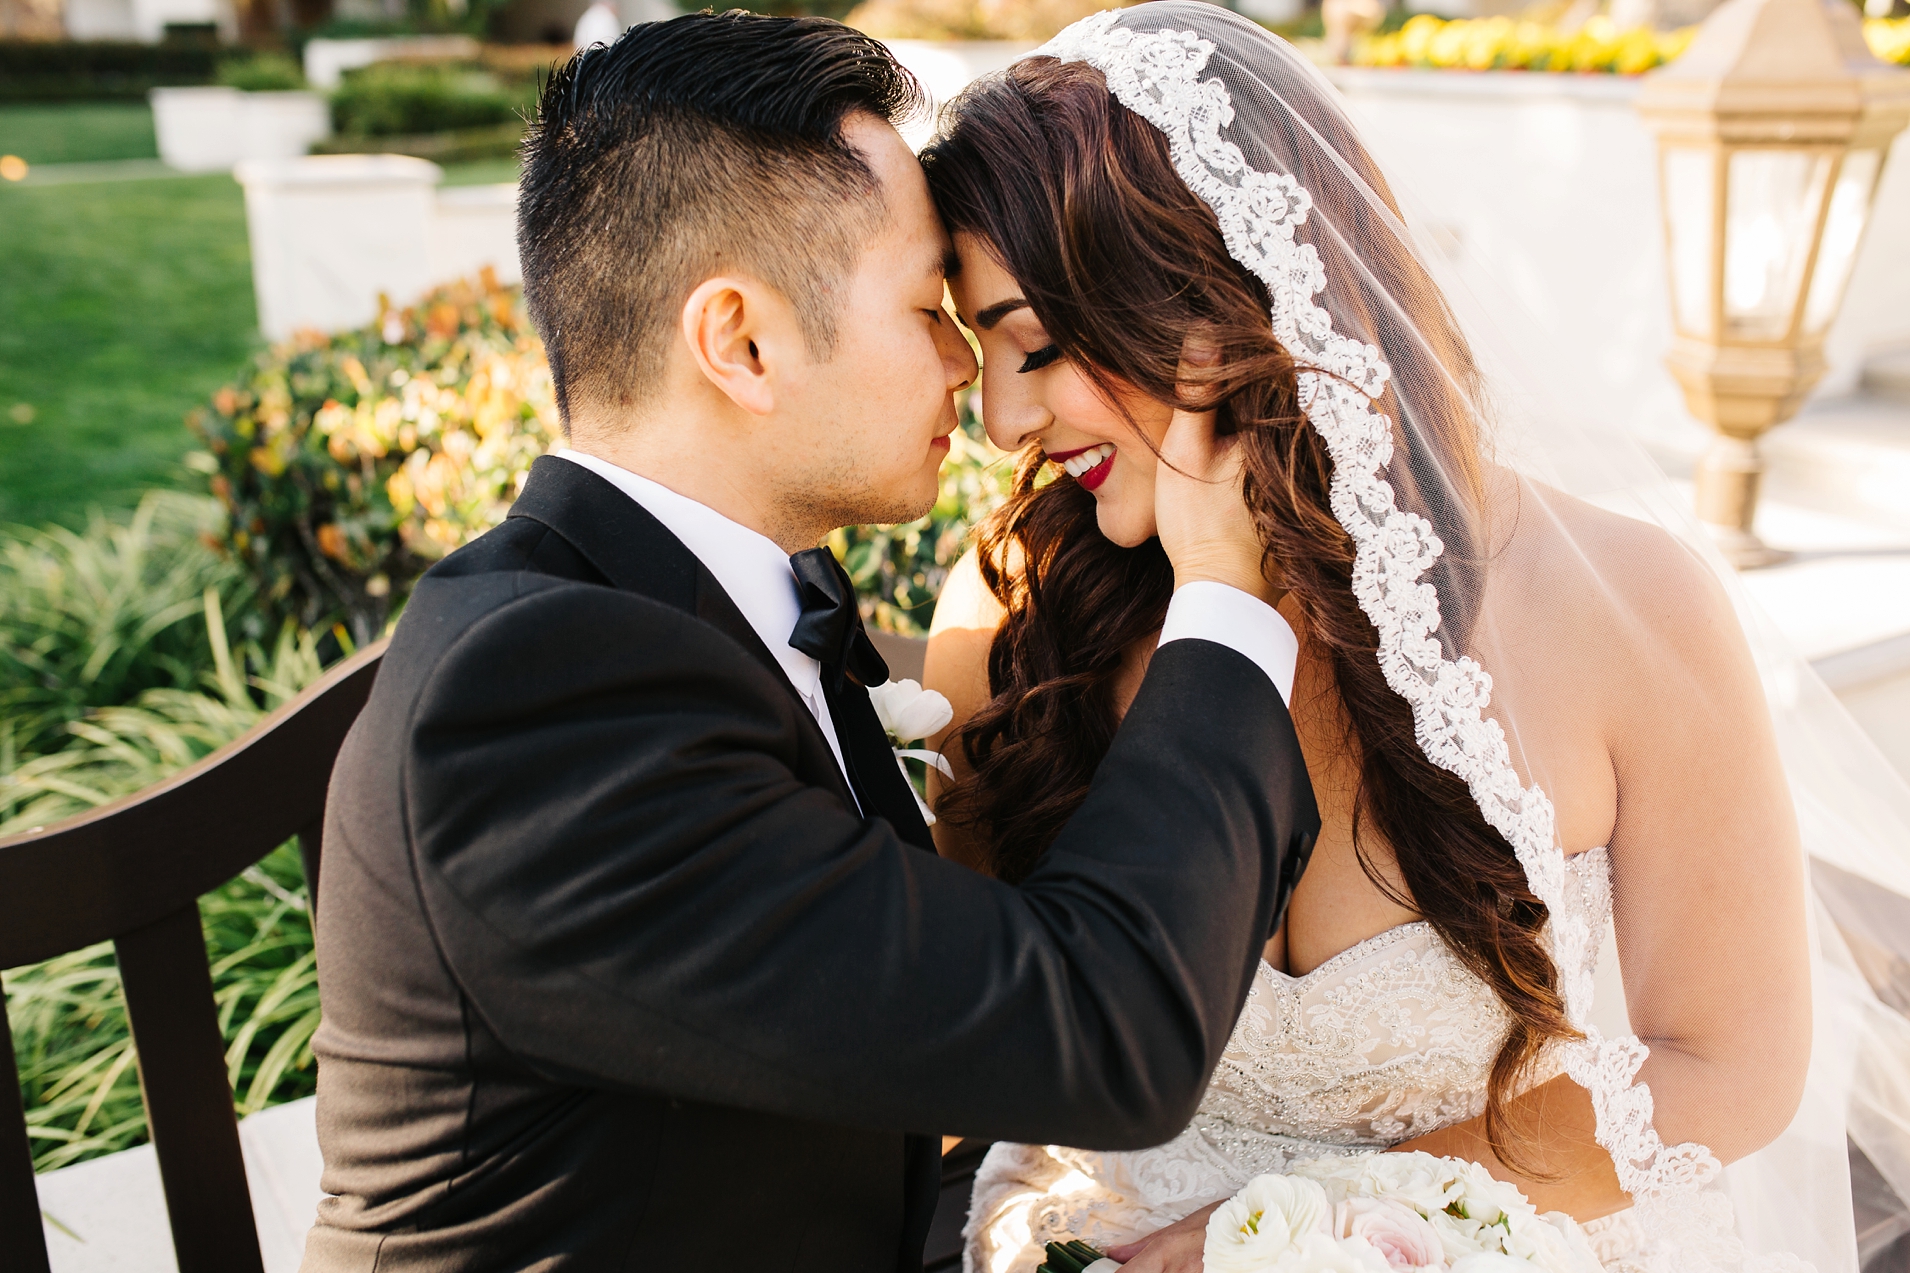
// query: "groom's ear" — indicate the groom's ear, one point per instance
point(742, 335)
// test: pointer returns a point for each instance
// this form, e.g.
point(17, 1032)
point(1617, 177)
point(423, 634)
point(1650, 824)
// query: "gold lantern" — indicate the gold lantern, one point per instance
point(1772, 133)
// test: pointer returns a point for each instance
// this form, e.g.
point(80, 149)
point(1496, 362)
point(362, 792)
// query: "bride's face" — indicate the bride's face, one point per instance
point(1033, 396)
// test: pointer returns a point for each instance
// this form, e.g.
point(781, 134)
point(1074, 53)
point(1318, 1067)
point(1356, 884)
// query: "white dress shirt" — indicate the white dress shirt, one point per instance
point(752, 568)
point(756, 574)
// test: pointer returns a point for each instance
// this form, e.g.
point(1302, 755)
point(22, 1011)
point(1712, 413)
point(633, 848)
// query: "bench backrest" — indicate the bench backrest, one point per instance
point(132, 872)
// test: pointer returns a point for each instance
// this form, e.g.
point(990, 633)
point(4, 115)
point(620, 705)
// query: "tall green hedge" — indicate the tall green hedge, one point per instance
point(79, 70)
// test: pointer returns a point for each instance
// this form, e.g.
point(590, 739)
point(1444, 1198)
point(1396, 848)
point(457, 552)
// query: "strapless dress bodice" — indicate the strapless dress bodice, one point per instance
point(1386, 1041)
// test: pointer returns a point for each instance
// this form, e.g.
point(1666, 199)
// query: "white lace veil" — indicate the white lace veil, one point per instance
point(1519, 615)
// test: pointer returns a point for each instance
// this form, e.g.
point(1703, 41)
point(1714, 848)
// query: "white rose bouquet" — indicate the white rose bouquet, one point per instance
point(1390, 1213)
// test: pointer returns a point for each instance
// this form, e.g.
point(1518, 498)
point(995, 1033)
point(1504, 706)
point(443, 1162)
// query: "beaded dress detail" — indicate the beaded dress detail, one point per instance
point(1386, 1041)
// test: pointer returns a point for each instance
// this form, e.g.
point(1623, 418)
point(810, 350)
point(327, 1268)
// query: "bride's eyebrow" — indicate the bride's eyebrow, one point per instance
point(998, 311)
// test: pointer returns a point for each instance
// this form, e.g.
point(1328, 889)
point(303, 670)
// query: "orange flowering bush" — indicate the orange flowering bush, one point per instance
point(348, 463)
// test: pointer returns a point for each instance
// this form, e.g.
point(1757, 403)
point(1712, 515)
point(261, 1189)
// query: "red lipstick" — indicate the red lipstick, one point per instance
point(1096, 475)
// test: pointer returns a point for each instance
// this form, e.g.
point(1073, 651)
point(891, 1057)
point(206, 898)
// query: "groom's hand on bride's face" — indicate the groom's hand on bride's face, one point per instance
point(1199, 505)
point(1175, 1249)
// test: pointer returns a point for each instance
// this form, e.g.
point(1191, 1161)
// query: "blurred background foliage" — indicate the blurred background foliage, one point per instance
point(348, 463)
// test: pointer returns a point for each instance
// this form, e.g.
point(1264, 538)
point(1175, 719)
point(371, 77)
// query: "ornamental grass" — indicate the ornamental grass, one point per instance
point(79, 1075)
point(92, 619)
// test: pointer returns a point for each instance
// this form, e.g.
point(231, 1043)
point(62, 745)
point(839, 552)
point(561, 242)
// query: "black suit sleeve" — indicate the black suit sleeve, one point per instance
point(634, 890)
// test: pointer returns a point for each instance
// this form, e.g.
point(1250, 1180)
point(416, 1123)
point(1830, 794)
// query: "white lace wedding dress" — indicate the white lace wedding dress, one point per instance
point(1384, 1042)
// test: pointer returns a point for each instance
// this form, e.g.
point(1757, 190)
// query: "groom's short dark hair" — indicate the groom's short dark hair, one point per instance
point(710, 142)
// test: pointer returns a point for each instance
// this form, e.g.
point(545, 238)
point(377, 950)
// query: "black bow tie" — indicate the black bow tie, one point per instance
point(830, 627)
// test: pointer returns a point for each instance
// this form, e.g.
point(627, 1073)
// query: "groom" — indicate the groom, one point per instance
point(634, 950)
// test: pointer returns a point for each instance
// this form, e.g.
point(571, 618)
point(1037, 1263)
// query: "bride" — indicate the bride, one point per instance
point(1530, 717)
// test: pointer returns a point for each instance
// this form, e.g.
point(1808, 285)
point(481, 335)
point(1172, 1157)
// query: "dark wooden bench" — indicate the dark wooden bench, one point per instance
point(132, 872)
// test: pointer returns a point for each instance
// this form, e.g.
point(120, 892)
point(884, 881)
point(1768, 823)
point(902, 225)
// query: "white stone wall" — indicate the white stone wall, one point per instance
point(1549, 182)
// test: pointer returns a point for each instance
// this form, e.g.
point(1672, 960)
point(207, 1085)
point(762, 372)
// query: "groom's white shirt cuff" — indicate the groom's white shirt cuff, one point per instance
point(1243, 623)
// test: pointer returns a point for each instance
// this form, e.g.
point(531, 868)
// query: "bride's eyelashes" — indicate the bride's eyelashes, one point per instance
point(1039, 359)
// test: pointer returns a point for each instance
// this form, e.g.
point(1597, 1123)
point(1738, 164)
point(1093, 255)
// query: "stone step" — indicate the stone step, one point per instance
point(1848, 456)
point(1888, 375)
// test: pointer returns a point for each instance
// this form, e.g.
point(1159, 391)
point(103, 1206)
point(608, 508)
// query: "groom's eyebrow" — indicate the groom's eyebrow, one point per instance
point(998, 311)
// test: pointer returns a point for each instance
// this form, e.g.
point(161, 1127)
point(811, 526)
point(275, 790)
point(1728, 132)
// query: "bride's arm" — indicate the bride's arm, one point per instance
point(1708, 895)
point(966, 617)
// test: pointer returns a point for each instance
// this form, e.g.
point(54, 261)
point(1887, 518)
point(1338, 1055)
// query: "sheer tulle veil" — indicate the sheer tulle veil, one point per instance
point(1450, 554)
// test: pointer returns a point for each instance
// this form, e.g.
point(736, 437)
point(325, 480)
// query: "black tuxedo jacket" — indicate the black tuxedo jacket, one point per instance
point(616, 977)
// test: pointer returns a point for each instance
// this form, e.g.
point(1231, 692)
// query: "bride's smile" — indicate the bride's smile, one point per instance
point(1090, 465)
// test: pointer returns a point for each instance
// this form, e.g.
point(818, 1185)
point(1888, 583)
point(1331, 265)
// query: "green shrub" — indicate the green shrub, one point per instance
point(77, 70)
point(93, 619)
point(261, 73)
point(459, 146)
point(391, 99)
point(78, 1068)
point(349, 463)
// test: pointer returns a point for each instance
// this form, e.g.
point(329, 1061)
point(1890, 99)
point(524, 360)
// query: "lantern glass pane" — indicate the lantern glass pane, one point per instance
point(1843, 231)
point(1770, 216)
point(1690, 221)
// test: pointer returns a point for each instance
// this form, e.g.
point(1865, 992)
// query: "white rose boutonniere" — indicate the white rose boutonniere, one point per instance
point(910, 713)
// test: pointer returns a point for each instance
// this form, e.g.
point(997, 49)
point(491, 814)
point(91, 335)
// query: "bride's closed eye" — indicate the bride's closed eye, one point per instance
point(1039, 358)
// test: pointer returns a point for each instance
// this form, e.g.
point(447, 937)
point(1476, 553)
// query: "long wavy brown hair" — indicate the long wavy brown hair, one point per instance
point(1078, 199)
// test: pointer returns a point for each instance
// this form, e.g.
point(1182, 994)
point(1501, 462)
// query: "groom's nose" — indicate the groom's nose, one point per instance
point(958, 359)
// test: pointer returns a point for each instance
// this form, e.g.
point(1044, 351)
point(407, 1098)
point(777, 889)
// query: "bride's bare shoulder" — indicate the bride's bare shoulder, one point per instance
point(1618, 581)
point(966, 604)
point(967, 615)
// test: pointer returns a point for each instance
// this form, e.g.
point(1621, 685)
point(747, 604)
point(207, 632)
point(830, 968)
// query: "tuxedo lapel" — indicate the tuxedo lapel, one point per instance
point(637, 553)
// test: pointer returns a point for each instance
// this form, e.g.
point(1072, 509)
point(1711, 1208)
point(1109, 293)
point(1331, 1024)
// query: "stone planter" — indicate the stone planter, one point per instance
point(283, 125)
point(331, 233)
point(211, 129)
point(199, 129)
point(326, 61)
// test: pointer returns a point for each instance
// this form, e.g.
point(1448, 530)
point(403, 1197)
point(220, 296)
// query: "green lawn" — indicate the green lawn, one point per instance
point(78, 132)
point(123, 305)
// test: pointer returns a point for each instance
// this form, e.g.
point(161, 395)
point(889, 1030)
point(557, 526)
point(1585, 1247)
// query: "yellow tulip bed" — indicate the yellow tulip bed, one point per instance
point(1507, 44)
point(1889, 39)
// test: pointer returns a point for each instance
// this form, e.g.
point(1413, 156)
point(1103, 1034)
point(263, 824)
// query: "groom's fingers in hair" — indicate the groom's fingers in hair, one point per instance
point(1191, 444)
